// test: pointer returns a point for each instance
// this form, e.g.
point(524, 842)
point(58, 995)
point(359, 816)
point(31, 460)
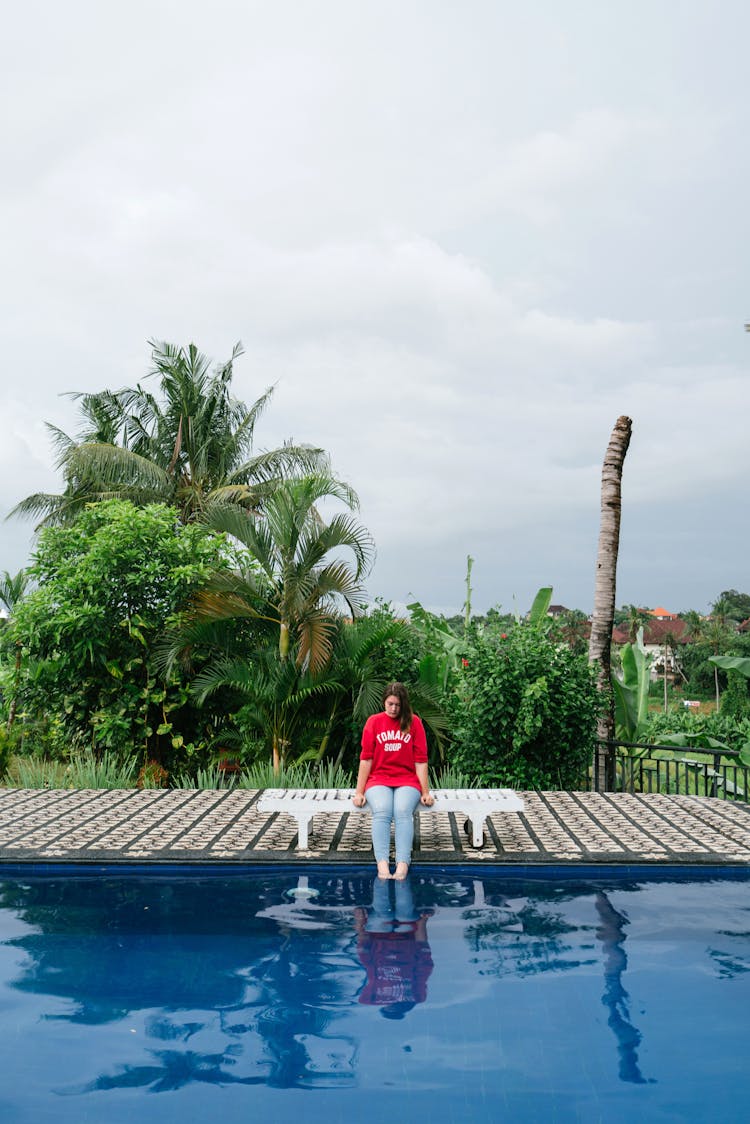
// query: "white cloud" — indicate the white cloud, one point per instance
point(464, 249)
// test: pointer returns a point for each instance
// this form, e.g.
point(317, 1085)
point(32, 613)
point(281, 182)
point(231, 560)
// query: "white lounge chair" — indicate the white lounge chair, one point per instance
point(475, 803)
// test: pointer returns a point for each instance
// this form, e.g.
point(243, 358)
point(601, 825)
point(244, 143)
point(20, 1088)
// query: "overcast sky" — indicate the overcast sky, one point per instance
point(461, 238)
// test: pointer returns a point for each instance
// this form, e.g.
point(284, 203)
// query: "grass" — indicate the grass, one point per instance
point(88, 771)
point(83, 771)
point(452, 778)
point(211, 777)
point(261, 775)
point(33, 772)
point(309, 775)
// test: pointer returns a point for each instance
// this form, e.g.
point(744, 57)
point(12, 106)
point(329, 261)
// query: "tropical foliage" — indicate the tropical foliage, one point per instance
point(193, 599)
point(525, 710)
point(107, 588)
point(300, 578)
point(631, 691)
point(188, 443)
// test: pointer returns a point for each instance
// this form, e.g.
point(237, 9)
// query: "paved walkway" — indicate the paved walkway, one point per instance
point(226, 827)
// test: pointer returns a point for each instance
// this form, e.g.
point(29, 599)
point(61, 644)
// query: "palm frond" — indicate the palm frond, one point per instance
point(111, 465)
point(315, 631)
point(224, 672)
point(61, 442)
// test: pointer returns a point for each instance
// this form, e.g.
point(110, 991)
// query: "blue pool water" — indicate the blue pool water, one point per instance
point(483, 995)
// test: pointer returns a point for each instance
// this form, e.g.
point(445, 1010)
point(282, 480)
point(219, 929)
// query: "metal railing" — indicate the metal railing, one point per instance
point(643, 767)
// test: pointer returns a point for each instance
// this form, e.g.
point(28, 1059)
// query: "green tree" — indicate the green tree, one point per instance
point(736, 700)
point(12, 590)
point(108, 587)
point(525, 711)
point(631, 691)
point(718, 632)
point(188, 445)
point(736, 605)
point(695, 624)
point(572, 626)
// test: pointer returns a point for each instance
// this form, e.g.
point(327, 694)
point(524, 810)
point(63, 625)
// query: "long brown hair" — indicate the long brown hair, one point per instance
point(401, 693)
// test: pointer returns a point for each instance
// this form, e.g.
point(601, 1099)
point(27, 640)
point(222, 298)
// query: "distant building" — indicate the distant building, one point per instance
point(662, 638)
point(662, 614)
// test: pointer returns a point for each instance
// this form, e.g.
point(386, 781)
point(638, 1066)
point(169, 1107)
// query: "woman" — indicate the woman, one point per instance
point(392, 777)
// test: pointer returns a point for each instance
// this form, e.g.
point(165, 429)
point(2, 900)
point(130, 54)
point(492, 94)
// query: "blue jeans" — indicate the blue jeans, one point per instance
point(395, 804)
point(386, 918)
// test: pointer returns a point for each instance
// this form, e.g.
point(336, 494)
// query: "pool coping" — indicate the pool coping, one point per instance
point(208, 828)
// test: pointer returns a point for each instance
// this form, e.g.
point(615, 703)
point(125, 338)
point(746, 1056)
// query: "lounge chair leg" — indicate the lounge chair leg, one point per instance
point(477, 830)
point(303, 825)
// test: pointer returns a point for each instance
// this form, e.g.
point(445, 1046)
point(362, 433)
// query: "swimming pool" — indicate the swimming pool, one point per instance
point(189, 994)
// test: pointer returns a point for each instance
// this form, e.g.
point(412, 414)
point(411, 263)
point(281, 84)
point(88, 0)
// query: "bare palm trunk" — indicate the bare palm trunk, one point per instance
point(600, 644)
point(467, 603)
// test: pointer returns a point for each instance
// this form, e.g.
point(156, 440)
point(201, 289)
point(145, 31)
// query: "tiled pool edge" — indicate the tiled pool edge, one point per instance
point(210, 828)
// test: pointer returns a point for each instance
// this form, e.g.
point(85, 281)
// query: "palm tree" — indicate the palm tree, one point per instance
point(600, 643)
point(357, 668)
point(718, 633)
point(277, 695)
point(189, 446)
point(300, 579)
point(637, 618)
point(294, 583)
point(695, 624)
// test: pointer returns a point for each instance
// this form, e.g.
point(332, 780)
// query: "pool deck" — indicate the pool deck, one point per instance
point(221, 827)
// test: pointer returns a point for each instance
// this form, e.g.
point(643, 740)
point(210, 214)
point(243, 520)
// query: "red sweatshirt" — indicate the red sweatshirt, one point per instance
point(393, 754)
point(397, 966)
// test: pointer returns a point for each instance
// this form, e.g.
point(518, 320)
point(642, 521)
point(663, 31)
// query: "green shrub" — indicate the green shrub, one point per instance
point(525, 712)
point(5, 751)
point(735, 702)
point(152, 775)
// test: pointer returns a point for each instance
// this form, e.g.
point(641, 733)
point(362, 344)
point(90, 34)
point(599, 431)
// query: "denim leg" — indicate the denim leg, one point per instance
point(380, 917)
point(404, 901)
point(405, 800)
point(380, 800)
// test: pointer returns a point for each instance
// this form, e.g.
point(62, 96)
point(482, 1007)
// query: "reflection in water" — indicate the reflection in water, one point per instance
point(611, 933)
point(393, 949)
point(523, 935)
point(267, 979)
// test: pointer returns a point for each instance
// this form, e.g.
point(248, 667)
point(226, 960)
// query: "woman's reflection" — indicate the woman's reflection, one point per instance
point(393, 949)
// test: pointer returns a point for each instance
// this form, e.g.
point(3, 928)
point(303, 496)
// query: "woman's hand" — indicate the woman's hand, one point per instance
point(427, 799)
point(359, 800)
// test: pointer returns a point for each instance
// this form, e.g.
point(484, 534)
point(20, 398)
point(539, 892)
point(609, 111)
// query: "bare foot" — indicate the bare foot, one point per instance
point(384, 871)
point(402, 869)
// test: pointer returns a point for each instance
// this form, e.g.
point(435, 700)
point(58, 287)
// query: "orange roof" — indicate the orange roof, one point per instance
point(660, 612)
